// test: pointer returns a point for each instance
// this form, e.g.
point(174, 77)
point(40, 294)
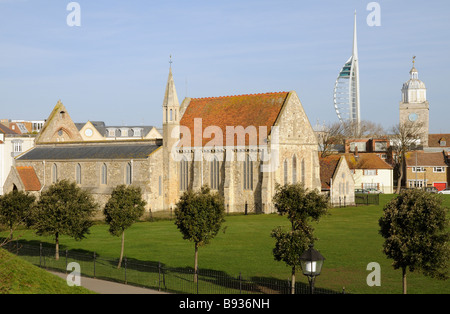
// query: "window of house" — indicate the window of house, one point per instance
point(104, 174)
point(214, 174)
point(17, 146)
point(418, 169)
point(248, 173)
point(438, 169)
point(370, 172)
point(416, 183)
point(184, 174)
point(78, 174)
point(370, 185)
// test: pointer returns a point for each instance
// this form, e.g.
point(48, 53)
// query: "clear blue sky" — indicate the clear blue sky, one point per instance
point(114, 67)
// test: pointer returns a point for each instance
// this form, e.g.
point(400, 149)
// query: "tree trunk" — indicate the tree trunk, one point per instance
point(293, 281)
point(121, 250)
point(404, 279)
point(196, 263)
point(400, 178)
point(57, 246)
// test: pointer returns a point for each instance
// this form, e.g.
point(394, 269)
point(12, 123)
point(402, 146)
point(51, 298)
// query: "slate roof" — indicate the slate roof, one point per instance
point(5, 130)
point(108, 151)
point(241, 110)
point(29, 178)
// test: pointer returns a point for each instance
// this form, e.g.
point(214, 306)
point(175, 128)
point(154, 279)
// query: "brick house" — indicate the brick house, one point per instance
point(427, 169)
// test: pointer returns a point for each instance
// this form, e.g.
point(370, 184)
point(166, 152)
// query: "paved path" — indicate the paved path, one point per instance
point(109, 287)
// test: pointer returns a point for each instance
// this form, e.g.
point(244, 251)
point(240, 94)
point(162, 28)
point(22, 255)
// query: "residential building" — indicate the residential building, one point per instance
point(427, 169)
point(12, 144)
point(370, 171)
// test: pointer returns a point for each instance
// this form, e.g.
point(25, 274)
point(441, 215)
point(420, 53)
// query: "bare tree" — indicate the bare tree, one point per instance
point(336, 133)
point(405, 136)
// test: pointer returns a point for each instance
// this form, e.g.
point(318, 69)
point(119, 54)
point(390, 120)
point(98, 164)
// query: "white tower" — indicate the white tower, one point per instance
point(346, 89)
point(414, 106)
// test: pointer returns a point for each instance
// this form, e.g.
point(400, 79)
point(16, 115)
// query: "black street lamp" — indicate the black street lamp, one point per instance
point(311, 262)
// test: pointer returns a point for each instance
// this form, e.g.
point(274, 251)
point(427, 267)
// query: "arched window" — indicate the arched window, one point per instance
point(248, 173)
point(184, 174)
point(303, 171)
point(129, 173)
point(285, 168)
point(78, 173)
point(54, 173)
point(170, 115)
point(104, 174)
point(294, 169)
point(214, 174)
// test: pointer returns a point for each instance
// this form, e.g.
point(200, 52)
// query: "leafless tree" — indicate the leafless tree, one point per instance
point(336, 133)
point(404, 137)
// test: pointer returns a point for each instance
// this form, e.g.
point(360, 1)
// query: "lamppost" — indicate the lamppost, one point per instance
point(311, 262)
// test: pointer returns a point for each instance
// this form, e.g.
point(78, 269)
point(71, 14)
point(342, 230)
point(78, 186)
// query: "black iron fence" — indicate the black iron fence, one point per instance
point(367, 199)
point(155, 275)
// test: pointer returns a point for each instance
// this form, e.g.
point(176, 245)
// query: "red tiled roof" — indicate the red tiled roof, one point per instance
point(425, 159)
point(29, 178)
point(242, 110)
point(327, 168)
point(434, 140)
point(366, 161)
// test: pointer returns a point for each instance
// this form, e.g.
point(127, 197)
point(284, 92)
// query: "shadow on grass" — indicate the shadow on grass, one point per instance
point(153, 274)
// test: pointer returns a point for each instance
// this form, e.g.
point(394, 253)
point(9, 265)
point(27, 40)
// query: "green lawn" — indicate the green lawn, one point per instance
point(18, 276)
point(348, 239)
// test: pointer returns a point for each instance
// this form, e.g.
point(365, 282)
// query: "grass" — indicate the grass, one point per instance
point(348, 238)
point(18, 276)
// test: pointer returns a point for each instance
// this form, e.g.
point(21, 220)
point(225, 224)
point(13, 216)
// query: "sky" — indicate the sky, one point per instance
point(114, 66)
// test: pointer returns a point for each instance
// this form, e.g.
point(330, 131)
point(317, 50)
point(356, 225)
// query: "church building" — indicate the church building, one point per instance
point(240, 146)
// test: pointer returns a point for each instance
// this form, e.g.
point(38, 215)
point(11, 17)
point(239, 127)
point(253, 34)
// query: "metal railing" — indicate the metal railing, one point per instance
point(155, 275)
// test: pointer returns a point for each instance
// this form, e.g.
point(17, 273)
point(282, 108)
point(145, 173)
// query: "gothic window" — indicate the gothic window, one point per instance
point(129, 173)
point(214, 174)
point(285, 168)
point(184, 174)
point(303, 171)
point(54, 173)
point(160, 186)
point(294, 169)
point(170, 115)
point(78, 173)
point(248, 173)
point(104, 174)
point(62, 114)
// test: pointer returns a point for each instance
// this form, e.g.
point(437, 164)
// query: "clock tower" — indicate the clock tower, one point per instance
point(414, 106)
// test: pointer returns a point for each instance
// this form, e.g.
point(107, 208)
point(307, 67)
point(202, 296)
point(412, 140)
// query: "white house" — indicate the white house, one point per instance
point(12, 144)
point(370, 171)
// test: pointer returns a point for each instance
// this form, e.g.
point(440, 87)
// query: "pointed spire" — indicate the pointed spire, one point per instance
point(170, 97)
point(355, 40)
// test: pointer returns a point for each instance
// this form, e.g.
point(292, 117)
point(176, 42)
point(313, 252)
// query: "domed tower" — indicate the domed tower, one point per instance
point(414, 106)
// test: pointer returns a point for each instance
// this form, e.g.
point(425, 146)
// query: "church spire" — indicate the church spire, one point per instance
point(171, 104)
